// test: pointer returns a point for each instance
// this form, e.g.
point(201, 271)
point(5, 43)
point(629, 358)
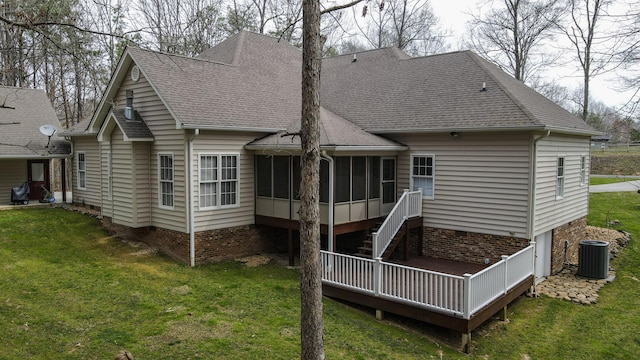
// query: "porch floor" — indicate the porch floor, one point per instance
point(452, 267)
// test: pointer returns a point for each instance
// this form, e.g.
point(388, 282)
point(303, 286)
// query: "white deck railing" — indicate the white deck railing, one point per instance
point(450, 294)
point(409, 205)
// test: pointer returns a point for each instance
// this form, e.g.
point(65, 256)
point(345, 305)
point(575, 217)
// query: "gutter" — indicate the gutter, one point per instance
point(556, 130)
point(331, 204)
point(192, 239)
point(230, 128)
point(345, 148)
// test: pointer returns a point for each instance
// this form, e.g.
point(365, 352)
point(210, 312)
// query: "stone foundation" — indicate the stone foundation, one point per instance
point(469, 247)
point(567, 236)
point(210, 246)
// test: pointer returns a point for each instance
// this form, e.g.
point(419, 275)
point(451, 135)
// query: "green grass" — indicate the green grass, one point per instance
point(69, 291)
point(611, 180)
point(545, 328)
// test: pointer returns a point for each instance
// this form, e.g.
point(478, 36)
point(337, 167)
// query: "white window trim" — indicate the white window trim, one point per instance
point(560, 194)
point(84, 155)
point(218, 181)
point(173, 173)
point(109, 176)
point(583, 170)
point(424, 195)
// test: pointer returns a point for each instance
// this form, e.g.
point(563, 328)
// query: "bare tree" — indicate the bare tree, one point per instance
point(589, 44)
point(185, 27)
point(409, 25)
point(311, 325)
point(509, 36)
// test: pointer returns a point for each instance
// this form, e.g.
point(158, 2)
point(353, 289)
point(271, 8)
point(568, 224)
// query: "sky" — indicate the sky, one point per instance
point(453, 15)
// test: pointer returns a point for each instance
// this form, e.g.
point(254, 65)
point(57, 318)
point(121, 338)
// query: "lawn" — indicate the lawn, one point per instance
point(69, 291)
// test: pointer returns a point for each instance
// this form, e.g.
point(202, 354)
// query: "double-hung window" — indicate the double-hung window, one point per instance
point(423, 174)
point(560, 178)
point(82, 171)
point(165, 180)
point(583, 170)
point(218, 180)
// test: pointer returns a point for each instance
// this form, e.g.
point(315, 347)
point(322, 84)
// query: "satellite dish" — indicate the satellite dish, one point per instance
point(47, 130)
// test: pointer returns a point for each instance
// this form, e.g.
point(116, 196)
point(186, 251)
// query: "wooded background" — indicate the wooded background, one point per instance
point(69, 48)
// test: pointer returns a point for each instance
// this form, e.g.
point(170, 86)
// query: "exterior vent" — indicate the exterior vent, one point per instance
point(593, 259)
point(128, 109)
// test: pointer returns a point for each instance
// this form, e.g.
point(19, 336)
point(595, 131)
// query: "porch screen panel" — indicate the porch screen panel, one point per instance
point(374, 177)
point(281, 177)
point(359, 178)
point(343, 177)
point(324, 181)
point(263, 165)
point(297, 177)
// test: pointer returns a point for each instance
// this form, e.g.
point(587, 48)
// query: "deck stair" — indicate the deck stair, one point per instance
point(366, 250)
point(384, 239)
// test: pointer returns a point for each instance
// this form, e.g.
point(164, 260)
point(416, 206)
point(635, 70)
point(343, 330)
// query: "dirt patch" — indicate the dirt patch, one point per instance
point(191, 329)
point(264, 259)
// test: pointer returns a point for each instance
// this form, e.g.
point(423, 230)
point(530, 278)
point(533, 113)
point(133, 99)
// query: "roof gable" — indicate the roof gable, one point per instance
point(336, 133)
point(132, 130)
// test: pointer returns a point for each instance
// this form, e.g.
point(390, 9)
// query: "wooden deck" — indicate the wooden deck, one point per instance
point(404, 308)
point(440, 265)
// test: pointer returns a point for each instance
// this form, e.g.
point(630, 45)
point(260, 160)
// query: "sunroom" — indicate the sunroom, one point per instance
point(358, 184)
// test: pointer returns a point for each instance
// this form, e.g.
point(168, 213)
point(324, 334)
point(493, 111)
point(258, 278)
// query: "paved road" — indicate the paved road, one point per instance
point(621, 186)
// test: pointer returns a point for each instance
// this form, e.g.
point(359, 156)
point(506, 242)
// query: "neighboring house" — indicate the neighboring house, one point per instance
point(199, 156)
point(600, 141)
point(26, 154)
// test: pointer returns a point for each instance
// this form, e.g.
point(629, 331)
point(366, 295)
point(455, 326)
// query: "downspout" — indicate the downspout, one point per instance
point(532, 210)
point(192, 239)
point(331, 205)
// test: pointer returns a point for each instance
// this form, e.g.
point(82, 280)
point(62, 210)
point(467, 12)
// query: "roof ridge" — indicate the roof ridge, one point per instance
point(483, 64)
point(185, 57)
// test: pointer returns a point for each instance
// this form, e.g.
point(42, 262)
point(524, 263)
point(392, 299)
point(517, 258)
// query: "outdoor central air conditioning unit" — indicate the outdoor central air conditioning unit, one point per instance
point(593, 259)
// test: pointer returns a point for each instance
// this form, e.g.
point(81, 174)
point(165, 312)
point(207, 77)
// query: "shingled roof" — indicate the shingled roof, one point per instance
point(22, 113)
point(336, 133)
point(251, 82)
point(384, 91)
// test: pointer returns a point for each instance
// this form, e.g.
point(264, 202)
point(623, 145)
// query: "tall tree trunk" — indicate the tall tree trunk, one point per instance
point(311, 327)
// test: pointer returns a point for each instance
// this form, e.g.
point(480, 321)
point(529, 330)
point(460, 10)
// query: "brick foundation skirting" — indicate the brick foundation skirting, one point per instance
point(210, 246)
point(568, 235)
point(469, 247)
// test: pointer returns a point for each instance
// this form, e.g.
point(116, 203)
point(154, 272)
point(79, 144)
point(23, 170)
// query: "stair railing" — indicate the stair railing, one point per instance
point(409, 205)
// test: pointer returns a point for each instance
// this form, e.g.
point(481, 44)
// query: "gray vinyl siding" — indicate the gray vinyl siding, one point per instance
point(209, 142)
point(168, 139)
point(481, 181)
point(90, 195)
point(122, 169)
point(107, 202)
point(12, 173)
point(551, 212)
